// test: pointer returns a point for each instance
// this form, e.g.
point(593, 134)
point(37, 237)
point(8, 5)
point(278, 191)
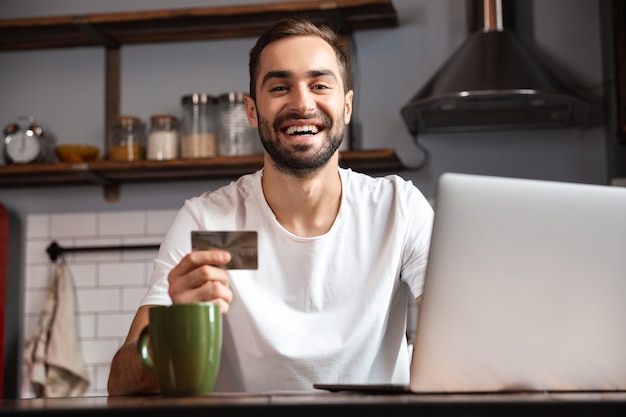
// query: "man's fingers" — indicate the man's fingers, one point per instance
point(195, 259)
point(199, 277)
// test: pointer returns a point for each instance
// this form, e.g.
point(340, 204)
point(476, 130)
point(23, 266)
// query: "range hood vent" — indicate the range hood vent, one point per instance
point(494, 82)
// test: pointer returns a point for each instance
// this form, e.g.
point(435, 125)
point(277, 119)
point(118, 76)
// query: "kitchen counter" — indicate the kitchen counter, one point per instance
point(330, 404)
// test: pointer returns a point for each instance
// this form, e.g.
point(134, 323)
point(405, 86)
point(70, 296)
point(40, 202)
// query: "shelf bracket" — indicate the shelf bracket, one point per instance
point(112, 192)
point(111, 189)
point(112, 89)
point(83, 24)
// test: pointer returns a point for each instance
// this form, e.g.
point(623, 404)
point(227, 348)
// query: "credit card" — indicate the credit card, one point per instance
point(242, 246)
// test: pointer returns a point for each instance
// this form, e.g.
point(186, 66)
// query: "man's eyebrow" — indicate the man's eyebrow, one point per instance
point(321, 73)
point(284, 74)
point(276, 74)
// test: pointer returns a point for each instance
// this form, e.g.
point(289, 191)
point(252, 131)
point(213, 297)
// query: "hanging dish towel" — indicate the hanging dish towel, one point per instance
point(53, 354)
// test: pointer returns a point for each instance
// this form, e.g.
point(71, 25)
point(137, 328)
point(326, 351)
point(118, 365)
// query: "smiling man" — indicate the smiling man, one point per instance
point(339, 251)
point(304, 101)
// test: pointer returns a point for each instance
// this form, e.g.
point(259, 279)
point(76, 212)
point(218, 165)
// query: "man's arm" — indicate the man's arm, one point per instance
point(128, 375)
point(198, 277)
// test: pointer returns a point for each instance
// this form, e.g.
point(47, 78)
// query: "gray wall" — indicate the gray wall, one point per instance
point(63, 89)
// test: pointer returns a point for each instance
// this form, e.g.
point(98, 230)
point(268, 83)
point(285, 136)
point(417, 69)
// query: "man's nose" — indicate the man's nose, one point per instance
point(302, 100)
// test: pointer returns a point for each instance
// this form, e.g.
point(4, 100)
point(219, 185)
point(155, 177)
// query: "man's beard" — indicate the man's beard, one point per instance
point(295, 159)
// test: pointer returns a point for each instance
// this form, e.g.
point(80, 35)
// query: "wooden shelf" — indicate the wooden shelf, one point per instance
point(112, 30)
point(115, 173)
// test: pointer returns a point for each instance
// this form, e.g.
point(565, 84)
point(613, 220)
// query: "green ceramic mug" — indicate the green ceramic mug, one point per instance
point(186, 342)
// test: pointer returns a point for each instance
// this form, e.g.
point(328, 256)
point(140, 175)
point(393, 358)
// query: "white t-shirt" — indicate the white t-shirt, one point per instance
point(324, 309)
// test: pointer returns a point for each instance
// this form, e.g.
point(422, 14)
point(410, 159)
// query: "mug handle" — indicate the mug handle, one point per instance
point(142, 349)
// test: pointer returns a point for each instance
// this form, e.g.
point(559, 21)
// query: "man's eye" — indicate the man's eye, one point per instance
point(320, 87)
point(279, 88)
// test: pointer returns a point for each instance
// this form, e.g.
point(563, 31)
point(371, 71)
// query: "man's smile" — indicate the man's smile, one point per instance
point(302, 130)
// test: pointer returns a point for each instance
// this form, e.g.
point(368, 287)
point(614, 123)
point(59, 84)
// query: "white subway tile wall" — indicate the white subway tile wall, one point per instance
point(109, 284)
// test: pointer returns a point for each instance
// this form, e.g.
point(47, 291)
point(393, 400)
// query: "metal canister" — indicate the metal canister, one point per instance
point(235, 135)
point(127, 139)
point(199, 126)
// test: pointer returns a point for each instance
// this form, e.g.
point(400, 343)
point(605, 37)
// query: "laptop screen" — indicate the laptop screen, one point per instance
point(525, 288)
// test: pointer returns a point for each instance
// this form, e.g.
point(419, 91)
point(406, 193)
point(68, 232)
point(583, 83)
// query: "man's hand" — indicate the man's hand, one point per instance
point(199, 277)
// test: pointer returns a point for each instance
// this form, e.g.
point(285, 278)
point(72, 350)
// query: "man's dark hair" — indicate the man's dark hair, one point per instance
point(295, 26)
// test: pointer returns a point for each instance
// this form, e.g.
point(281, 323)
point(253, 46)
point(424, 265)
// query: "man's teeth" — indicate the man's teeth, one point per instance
point(307, 129)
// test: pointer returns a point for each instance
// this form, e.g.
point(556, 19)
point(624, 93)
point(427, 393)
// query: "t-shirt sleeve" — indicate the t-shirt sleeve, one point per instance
point(419, 216)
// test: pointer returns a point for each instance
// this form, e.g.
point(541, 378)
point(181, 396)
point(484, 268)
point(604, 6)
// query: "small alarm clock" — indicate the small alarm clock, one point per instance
point(24, 142)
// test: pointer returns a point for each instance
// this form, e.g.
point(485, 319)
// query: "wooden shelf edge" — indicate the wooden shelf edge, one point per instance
point(118, 172)
point(186, 24)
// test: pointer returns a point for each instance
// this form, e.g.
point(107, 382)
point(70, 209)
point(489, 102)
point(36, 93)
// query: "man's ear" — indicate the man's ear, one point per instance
point(347, 114)
point(251, 111)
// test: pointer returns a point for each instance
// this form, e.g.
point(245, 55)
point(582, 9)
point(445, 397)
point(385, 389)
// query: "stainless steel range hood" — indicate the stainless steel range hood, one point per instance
point(494, 82)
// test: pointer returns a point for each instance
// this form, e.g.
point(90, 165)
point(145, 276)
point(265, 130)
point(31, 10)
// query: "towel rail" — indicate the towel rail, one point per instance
point(54, 250)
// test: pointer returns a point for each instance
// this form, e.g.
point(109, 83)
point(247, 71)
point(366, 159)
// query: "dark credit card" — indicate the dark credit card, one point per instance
point(242, 246)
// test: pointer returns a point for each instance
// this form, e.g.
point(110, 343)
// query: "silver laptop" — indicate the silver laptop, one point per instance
point(525, 289)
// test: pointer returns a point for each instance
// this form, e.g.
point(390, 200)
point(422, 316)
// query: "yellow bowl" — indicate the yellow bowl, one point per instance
point(77, 153)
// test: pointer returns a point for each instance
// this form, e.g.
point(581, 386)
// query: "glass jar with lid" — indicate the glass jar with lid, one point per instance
point(235, 135)
point(127, 139)
point(199, 126)
point(163, 137)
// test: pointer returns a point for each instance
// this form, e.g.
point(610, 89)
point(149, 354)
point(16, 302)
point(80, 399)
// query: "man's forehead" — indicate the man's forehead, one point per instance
point(298, 54)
